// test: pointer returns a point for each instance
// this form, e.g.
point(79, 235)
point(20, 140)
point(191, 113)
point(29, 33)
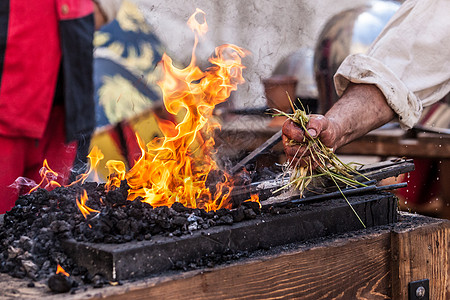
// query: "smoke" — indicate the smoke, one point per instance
point(23, 183)
point(80, 164)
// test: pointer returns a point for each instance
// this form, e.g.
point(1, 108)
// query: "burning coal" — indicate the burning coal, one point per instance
point(32, 233)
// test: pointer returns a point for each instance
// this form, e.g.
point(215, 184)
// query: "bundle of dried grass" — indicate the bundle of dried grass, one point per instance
point(322, 161)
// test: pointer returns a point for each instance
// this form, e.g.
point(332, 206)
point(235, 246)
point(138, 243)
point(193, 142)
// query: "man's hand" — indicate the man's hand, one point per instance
point(362, 108)
point(295, 140)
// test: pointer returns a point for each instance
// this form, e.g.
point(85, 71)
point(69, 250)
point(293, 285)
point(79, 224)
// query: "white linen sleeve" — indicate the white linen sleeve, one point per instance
point(409, 61)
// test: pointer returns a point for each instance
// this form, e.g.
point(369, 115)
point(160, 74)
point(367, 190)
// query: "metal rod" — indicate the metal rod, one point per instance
point(346, 192)
point(369, 187)
point(392, 186)
point(258, 151)
point(351, 192)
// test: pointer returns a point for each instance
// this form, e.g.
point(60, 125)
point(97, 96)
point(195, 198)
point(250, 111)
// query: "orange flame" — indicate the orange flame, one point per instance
point(85, 210)
point(254, 198)
point(200, 28)
point(175, 168)
point(48, 178)
point(60, 270)
point(95, 156)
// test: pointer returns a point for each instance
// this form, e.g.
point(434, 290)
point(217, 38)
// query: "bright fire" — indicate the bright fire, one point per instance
point(175, 168)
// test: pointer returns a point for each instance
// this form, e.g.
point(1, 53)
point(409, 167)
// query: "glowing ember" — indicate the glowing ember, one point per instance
point(60, 270)
point(254, 198)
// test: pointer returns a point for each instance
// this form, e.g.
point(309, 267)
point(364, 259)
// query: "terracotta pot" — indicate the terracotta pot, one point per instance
point(277, 88)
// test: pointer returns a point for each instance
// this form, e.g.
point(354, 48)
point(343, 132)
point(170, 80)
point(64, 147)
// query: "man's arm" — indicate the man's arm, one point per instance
point(361, 109)
point(406, 68)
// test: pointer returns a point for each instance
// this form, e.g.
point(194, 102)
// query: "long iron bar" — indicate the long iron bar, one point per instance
point(275, 139)
point(350, 192)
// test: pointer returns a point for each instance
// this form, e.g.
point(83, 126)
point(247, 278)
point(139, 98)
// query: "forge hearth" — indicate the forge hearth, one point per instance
point(276, 226)
point(129, 239)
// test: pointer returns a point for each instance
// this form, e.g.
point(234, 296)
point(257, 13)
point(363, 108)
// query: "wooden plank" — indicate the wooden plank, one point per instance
point(408, 148)
point(359, 267)
point(366, 264)
point(390, 143)
point(347, 269)
point(419, 254)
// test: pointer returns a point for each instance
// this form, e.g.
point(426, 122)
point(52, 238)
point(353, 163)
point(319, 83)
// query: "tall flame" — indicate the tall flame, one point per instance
point(175, 168)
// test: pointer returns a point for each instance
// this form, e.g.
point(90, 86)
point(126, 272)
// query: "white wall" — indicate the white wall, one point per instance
point(270, 30)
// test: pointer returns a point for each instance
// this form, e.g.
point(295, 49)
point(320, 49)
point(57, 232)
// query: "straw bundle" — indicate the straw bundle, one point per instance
point(320, 163)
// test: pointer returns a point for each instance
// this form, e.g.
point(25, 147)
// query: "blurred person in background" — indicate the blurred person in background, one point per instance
point(46, 88)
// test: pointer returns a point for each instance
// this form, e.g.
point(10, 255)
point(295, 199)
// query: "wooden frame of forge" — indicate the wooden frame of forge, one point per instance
point(362, 265)
point(367, 264)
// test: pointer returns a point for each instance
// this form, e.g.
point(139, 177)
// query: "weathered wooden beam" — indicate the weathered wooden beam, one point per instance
point(376, 263)
point(394, 143)
point(421, 253)
point(344, 269)
point(361, 265)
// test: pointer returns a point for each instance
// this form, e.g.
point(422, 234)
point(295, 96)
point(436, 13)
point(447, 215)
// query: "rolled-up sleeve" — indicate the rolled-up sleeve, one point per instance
point(409, 61)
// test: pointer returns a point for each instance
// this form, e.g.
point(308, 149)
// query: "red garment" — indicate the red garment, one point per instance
point(423, 182)
point(24, 157)
point(31, 62)
point(45, 46)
